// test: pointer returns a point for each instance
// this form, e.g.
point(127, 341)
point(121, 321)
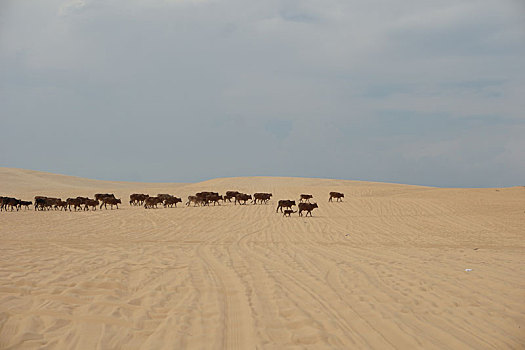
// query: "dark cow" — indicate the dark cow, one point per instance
point(60, 204)
point(195, 200)
point(337, 195)
point(229, 195)
point(151, 202)
point(10, 202)
point(306, 197)
point(93, 203)
point(308, 207)
point(214, 198)
point(242, 198)
point(111, 201)
point(172, 201)
point(83, 201)
point(261, 197)
point(75, 202)
point(137, 198)
point(2, 200)
point(99, 196)
point(40, 202)
point(164, 196)
point(207, 197)
point(289, 212)
point(43, 203)
point(284, 203)
point(25, 204)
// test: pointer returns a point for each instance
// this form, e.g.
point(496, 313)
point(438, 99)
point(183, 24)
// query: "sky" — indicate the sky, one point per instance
point(407, 91)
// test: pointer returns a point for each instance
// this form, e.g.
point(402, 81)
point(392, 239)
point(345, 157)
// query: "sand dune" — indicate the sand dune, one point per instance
point(384, 269)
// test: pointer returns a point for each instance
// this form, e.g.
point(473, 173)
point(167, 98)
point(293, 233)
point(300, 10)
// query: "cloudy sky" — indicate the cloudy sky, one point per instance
point(408, 91)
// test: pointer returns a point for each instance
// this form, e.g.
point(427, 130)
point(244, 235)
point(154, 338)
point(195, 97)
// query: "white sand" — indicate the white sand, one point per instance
point(384, 269)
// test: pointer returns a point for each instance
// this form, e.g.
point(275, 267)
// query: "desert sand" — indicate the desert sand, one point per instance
point(384, 269)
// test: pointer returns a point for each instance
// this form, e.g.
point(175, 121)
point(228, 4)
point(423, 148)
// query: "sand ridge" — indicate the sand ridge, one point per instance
point(383, 269)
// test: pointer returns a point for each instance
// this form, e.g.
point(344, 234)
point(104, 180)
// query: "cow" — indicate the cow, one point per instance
point(93, 203)
point(337, 195)
point(111, 201)
point(11, 202)
point(306, 197)
point(172, 201)
point(206, 196)
point(2, 200)
point(195, 200)
point(151, 202)
point(289, 212)
point(99, 196)
point(164, 196)
point(229, 195)
point(75, 202)
point(60, 204)
point(261, 197)
point(215, 198)
point(308, 207)
point(284, 203)
point(25, 204)
point(42, 202)
point(137, 198)
point(242, 198)
point(83, 201)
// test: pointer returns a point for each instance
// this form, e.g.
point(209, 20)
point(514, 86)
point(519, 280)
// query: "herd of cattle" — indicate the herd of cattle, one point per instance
point(167, 200)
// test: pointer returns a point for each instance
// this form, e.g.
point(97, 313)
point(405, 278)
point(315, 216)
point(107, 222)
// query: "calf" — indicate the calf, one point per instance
point(308, 207)
point(289, 212)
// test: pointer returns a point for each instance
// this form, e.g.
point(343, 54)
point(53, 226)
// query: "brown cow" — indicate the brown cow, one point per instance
point(306, 197)
point(93, 203)
point(99, 196)
point(172, 201)
point(229, 195)
point(195, 200)
point(151, 202)
point(75, 202)
point(261, 197)
point(337, 195)
point(284, 203)
point(137, 198)
point(11, 202)
point(25, 204)
point(242, 198)
point(308, 207)
point(215, 198)
point(60, 204)
point(111, 201)
point(2, 199)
